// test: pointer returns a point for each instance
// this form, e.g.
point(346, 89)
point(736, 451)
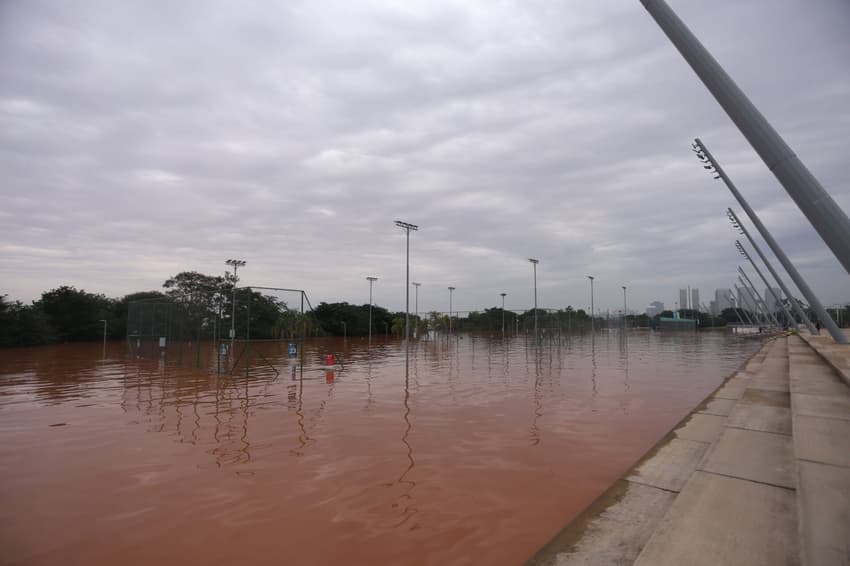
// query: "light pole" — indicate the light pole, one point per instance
point(534, 263)
point(625, 307)
point(592, 323)
point(503, 313)
point(104, 336)
point(344, 331)
point(416, 329)
point(713, 166)
point(371, 280)
point(451, 290)
point(236, 264)
point(407, 227)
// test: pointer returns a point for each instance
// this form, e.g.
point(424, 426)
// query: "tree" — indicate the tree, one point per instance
point(22, 325)
point(74, 314)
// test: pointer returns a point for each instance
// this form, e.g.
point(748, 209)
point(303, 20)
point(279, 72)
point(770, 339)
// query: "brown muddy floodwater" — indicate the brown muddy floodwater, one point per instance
point(479, 455)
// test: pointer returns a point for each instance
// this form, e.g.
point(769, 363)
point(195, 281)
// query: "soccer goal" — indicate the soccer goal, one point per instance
point(267, 329)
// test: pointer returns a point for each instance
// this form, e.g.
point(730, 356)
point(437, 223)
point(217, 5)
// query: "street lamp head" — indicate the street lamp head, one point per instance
point(503, 294)
point(415, 284)
point(370, 278)
point(532, 260)
point(452, 288)
point(591, 277)
point(624, 287)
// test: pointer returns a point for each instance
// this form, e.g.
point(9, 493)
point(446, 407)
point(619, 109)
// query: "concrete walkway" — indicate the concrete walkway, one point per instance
point(758, 474)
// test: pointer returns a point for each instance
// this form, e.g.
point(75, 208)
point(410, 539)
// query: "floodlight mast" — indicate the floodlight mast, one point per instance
point(830, 221)
point(758, 296)
point(407, 227)
point(236, 264)
point(534, 263)
point(777, 300)
point(714, 167)
point(733, 218)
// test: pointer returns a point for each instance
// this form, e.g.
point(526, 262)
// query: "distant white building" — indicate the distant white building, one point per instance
point(655, 308)
point(694, 299)
point(683, 299)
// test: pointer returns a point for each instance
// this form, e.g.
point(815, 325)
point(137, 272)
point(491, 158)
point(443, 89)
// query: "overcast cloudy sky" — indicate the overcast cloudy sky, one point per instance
point(140, 139)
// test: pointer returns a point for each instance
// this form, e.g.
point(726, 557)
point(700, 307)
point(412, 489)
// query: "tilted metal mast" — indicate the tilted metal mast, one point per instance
point(742, 229)
point(777, 300)
point(826, 216)
point(766, 310)
point(711, 164)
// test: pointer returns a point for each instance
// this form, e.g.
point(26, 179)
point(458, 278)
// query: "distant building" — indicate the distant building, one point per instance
point(683, 299)
point(712, 307)
point(654, 308)
point(723, 299)
point(694, 299)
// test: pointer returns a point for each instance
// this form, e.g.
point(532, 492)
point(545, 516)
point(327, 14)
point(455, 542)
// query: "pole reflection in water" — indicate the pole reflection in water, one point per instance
point(105, 456)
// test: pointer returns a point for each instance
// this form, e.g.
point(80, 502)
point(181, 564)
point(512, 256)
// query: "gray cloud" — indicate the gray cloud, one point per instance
point(140, 139)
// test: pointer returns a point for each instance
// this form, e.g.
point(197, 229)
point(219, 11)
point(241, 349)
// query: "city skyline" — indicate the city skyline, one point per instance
point(295, 144)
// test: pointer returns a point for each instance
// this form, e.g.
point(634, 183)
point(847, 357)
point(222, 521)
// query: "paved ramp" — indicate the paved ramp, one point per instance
point(759, 474)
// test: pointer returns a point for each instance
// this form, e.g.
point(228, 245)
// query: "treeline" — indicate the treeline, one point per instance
point(195, 307)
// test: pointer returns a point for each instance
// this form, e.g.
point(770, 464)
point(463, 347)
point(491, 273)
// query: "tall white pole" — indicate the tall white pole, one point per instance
point(451, 290)
point(416, 328)
point(534, 263)
point(801, 284)
point(817, 205)
point(503, 313)
point(592, 323)
point(371, 280)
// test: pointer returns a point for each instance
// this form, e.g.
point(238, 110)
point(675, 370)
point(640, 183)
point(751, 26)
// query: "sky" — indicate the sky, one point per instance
point(141, 139)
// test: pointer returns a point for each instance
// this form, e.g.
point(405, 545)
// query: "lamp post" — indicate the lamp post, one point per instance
point(592, 323)
point(344, 331)
point(104, 336)
point(451, 290)
point(416, 329)
point(236, 264)
point(534, 263)
point(371, 280)
point(407, 227)
point(503, 313)
point(625, 306)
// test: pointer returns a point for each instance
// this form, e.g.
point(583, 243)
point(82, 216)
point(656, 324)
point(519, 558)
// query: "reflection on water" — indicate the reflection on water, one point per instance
point(479, 452)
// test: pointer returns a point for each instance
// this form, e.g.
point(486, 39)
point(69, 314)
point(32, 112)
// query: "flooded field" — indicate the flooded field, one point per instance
point(478, 455)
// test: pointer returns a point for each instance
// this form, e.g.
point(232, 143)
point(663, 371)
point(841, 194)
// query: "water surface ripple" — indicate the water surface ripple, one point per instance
point(477, 454)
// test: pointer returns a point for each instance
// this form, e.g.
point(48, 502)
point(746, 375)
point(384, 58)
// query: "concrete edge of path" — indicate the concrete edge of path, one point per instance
point(840, 365)
point(568, 537)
